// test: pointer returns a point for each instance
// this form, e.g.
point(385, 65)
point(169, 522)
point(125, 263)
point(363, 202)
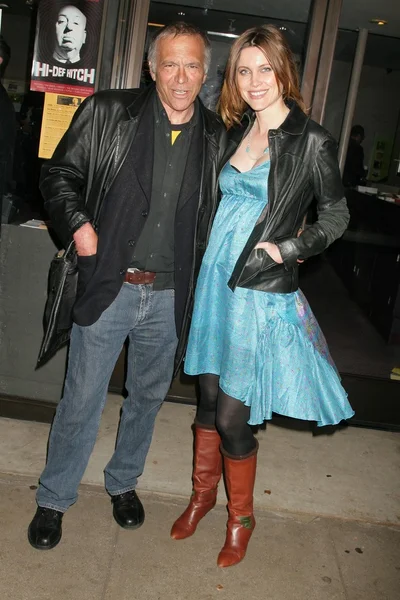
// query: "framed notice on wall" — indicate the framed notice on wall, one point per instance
point(57, 115)
point(66, 47)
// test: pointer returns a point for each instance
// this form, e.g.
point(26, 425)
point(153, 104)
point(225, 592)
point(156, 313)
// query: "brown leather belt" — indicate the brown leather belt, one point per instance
point(139, 277)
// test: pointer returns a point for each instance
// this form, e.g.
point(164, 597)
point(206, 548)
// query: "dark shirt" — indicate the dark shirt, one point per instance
point(353, 171)
point(155, 248)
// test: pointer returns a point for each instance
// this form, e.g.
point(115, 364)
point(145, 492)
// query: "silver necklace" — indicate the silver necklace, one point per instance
point(248, 148)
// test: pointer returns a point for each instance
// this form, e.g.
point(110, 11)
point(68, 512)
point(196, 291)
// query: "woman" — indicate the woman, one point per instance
point(254, 340)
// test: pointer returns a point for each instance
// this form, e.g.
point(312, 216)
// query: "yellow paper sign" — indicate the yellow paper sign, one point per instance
point(57, 115)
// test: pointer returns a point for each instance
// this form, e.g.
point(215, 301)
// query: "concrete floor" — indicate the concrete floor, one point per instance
point(327, 509)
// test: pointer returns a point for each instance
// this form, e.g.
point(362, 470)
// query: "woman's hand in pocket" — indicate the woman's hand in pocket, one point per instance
point(272, 250)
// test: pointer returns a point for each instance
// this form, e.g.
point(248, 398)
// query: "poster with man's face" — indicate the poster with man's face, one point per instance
point(66, 46)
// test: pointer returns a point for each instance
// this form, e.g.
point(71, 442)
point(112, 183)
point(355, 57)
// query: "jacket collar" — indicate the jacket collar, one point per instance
point(138, 104)
point(296, 121)
point(212, 123)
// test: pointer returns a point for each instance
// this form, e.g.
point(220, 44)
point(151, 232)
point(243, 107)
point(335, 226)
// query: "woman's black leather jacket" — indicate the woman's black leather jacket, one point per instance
point(303, 166)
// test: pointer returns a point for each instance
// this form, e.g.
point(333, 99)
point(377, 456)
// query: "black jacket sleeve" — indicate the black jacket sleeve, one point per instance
point(64, 177)
point(333, 214)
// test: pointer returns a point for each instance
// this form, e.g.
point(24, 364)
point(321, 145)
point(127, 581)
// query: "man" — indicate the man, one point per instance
point(354, 172)
point(7, 125)
point(70, 35)
point(150, 159)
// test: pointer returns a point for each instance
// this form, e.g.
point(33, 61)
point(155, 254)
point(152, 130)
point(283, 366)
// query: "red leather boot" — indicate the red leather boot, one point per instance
point(207, 472)
point(240, 474)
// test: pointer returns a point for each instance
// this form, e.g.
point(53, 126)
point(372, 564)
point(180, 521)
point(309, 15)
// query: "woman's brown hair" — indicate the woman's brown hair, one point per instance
point(271, 42)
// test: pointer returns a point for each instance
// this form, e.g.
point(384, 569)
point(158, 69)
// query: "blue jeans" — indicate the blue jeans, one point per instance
point(146, 317)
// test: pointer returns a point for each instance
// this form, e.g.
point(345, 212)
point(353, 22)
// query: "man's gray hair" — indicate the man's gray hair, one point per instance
point(175, 29)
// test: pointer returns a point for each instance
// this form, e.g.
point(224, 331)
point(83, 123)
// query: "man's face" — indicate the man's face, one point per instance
point(179, 73)
point(70, 29)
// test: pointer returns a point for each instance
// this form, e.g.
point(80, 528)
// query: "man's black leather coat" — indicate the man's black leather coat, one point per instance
point(79, 177)
point(304, 165)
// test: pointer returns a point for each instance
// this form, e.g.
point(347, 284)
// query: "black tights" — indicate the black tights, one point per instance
point(227, 414)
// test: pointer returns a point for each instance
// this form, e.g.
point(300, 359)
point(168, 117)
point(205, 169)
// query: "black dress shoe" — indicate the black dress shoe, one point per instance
point(45, 531)
point(128, 511)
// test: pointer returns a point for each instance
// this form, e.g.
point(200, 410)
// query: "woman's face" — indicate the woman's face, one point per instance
point(256, 80)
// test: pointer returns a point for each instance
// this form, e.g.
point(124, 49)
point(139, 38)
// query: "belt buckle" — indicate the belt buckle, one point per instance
point(133, 270)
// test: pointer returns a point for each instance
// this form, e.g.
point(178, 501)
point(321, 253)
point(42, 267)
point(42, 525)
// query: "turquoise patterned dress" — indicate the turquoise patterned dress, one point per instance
point(267, 349)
